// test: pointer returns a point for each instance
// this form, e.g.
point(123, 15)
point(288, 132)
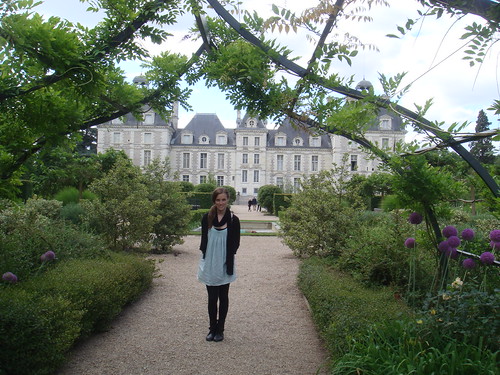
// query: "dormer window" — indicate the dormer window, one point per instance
point(251, 123)
point(280, 140)
point(385, 123)
point(315, 141)
point(297, 141)
point(149, 118)
point(221, 139)
point(187, 139)
point(204, 140)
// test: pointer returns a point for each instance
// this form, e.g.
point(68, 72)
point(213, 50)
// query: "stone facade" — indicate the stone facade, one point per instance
point(246, 157)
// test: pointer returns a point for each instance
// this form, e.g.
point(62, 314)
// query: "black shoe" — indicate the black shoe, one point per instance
point(211, 336)
point(218, 337)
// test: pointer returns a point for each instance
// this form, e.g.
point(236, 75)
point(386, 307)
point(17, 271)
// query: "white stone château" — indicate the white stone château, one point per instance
point(248, 156)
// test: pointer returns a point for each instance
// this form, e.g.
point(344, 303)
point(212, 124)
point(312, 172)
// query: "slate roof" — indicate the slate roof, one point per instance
point(130, 120)
point(243, 123)
point(204, 124)
point(293, 132)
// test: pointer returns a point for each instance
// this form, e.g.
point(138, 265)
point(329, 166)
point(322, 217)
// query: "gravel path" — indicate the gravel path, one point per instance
point(268, 329)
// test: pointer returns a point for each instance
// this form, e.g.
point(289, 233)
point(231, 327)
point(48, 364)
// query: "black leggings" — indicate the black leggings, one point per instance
point(218, 294)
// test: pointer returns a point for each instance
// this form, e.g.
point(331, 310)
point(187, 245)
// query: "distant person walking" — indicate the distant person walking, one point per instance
point(220, 239)
point(254, 203)
point(249, 205)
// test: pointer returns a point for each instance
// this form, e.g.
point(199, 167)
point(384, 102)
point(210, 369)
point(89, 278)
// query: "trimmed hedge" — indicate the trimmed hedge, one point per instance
point(341, 307)
point(43, 317)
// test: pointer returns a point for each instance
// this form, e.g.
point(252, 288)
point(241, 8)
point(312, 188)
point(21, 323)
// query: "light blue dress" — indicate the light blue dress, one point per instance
point(212, 269)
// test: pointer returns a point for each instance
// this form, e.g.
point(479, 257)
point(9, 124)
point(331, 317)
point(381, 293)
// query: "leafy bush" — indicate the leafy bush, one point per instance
point(266, 196)
point(377, 255)
point(123, 213)
point(42, 318)
point(27, 232)
point(281, 202)
point(73, 212)
point(407, 347)
point(72, 195)
point(196, 216)
point(310, 226)
point(36, 331)
point(342, 308)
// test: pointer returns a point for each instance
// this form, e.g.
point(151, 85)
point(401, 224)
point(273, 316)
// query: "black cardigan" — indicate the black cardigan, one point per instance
point(233, 239)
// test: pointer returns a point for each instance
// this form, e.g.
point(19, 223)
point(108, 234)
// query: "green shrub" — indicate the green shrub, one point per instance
point(342, 308)
point(406, 347)
point(266, 196)
point(196, 216)
point(98, 287)
point(36, 331)
point(72, 212)
point(42, 318)
point(27, 232)
point(281, 202)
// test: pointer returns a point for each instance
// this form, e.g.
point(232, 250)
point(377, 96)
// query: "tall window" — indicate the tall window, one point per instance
point(187, 139)
point(244, 175)
point(220, 161)
point(296, 184)
point(186, 160)
point(314, 163)
point(385, 143)
point(256, 176)
point(203, 160)
point(256, 158)
point(147, 157)
point(279, 162)
point(354, 162)
point(185, 177)
point(221, 139)
point(244, 158)
point(257, 141)
point(203, 179)
point(117, 137)
point(245, 141)
point(296, 162)
point(148, 138)
point(220, 180)
point(279, 182)
point(280, 141)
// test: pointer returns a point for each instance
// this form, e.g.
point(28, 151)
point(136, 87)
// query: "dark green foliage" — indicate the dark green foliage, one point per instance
point(483, 149)
point(342, 308)
point(185, 186)
point(72, 212)
point(281, 202)
point(42, 318)
point(72, 195)
point(465, 315)
point(205, 188)
point(376, 254)
point(407, 347)
point(266, 196)
point(196, 216)
point(232, 194)
point(199, 200)
point(27, 232)
point(36, 331)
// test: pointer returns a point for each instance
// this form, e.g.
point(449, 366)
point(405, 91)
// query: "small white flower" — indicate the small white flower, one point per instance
point(457, 283)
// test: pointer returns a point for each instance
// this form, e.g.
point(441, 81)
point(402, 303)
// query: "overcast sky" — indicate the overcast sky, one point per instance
point(427, 54)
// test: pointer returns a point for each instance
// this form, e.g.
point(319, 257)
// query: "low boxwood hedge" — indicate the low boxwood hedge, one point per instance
point(42, 318)
point(341, 307)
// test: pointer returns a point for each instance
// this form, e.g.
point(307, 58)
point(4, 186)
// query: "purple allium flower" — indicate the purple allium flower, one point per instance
point(468, 234)
point(451, 252)
point(469, 263)
point(495, 245)
point(449, 231)
point(48, 256)
point(487, 258)
point(9, 277)
point(415, 218)
point(454, 241)
point(410, 243)
point(495, 235)
point(443, 246)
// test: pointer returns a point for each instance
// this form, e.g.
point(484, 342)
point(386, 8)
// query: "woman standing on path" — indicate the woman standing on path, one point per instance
point(220, 239)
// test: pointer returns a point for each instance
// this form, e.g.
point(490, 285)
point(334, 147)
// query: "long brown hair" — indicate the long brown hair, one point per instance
point(213, 209)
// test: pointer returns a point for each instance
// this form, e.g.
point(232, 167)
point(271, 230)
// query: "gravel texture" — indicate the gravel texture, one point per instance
point(269, 330)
